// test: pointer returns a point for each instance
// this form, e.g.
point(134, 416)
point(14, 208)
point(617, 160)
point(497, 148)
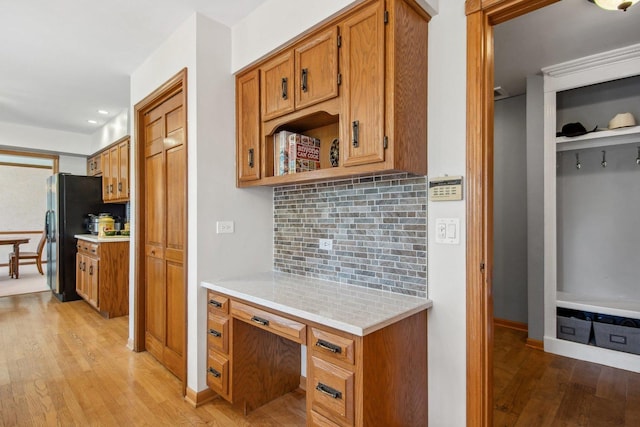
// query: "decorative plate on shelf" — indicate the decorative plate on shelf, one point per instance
point(334, 153)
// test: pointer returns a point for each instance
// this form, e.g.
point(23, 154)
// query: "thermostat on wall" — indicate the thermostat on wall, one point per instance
point(445, 188)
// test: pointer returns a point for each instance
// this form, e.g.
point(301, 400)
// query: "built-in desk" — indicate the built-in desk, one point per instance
point(366, 353)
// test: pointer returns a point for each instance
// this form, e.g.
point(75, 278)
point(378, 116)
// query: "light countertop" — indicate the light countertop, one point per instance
point(107, 239)
point(353, 309)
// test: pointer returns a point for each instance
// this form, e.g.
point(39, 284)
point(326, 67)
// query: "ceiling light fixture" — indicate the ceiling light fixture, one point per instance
point(103, 112)
point(93, 122)
point(614, 4)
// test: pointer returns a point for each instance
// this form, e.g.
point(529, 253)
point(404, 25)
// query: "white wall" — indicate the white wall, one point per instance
point(447, 263)
point(203, 46)
point(260, 33)
point(112, 131)
point(16, 136)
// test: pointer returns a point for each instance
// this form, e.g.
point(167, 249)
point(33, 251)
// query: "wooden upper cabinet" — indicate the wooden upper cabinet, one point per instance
point(316, 64)
point(277, 77)
point(359, 83)
point(113, 164)
point(248, 126)
point(362, 59)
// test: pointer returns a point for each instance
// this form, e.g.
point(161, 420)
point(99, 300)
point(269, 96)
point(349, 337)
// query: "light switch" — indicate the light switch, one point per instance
point(448, 231)
point(224, 227)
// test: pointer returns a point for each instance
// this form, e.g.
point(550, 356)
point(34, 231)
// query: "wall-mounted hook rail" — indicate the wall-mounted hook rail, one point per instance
point(603, 163)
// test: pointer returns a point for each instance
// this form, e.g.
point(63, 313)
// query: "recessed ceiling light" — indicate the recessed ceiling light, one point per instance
point(105, 112)
point(93, 122)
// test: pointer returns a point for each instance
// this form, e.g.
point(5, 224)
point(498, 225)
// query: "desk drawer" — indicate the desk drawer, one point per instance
point(282, 326)
point(218, 373)
point(318, 420)
point(217, 303)
point(331, 346)
point(218, 333)
point(331, 391)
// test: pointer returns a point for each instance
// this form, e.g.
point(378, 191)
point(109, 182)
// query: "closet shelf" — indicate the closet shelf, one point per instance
point(613, 307)
point(605, 138)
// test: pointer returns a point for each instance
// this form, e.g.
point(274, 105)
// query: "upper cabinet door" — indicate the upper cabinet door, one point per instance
point(277, 77)
point(248, 126)
point(317, 69)
point(363, 102)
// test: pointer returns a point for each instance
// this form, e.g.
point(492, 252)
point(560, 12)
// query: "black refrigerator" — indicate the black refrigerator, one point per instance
point(70, 198)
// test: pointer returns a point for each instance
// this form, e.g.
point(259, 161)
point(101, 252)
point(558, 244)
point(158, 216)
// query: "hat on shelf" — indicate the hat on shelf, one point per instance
point(574, 129)
point(622, 120)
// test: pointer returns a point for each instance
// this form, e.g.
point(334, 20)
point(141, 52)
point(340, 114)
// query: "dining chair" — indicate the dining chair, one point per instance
point(37, 256)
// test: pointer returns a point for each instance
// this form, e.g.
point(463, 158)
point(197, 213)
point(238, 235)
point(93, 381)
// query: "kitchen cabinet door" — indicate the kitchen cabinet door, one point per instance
point(122, 189)
point(316, 63)
point(106, 174)
point(81, 277)
point(277, 77)
point(363, 97)
point(248, 126)
point(92, 282)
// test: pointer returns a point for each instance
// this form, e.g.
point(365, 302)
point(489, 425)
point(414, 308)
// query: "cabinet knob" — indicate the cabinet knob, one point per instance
point(284, 88)
point(251, 156)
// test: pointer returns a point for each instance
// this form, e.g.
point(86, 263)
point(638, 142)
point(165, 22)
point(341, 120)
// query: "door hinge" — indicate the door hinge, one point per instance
point(386, 16)
point(339, 79)
point(339, 41)
point(385, 142)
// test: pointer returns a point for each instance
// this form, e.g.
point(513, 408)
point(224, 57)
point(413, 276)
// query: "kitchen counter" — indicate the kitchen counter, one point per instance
point(95, 239)
point(353, 309)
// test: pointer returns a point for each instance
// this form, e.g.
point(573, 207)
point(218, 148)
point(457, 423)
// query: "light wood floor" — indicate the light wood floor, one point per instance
point(534, 388)
point(63, 364)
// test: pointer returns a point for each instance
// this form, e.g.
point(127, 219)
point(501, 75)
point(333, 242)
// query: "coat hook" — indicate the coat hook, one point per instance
point(578, 165)
point(638, 158)
point(604, 159)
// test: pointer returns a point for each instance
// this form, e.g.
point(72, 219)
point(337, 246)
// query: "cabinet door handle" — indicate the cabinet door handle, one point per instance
point(284, 88)
point(305, 73)
point(91, 270)
point(263, 322)
point(355, 133)
point(215, 333)
point(120, 186)
point(215, 303)
point(325, 389)
point(251, 157)
point(110, 188)
point(214, 372)
point(328, 346)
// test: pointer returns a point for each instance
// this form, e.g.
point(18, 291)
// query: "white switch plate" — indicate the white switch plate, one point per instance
point(326, 244)
point(224, 227)
point(448, 231)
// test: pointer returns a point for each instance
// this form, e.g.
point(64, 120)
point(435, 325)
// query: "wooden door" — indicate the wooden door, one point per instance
point(92, 283)
point(248, 126)
point(277, 87)
point(317, 69)
point(164, 237)
point(362, 65)
point(123, 170)
point(106, 174)
point(81, 286)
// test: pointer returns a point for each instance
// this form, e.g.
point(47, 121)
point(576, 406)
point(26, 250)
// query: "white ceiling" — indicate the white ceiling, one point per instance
point(63, 60)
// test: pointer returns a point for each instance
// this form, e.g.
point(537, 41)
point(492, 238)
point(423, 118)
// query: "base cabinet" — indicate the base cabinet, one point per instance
point(379, 379)
point(102, 276)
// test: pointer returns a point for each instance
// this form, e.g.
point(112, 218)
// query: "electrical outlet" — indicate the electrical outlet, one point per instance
point(224, 227)
point(326, 244)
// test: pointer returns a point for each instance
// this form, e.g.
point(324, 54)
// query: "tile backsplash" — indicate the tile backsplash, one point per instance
point(378, 226)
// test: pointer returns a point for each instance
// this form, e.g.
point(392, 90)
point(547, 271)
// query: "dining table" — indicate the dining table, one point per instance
point(16, 242)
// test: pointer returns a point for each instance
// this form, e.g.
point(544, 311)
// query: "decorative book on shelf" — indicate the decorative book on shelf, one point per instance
point(295, 153)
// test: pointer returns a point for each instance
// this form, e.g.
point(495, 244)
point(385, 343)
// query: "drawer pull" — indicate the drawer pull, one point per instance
point(215, 333)
point(328, 346)
point(263, 322)
point(214, 372)
point(284, 88)
point(215, 303)
point(325, 389)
